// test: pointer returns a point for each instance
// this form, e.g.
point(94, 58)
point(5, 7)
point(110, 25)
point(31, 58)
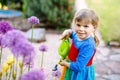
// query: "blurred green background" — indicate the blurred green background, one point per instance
point(56, 14)
point(109, 14)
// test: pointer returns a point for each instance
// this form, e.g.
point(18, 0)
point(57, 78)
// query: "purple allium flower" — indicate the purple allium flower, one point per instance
point(43, 48)
point(23, 47)
point(28, 60)
point(5, 26)
point(33, 75)
point(12, 37)
point(18, 43)
point(56, 73)
point(33, 20)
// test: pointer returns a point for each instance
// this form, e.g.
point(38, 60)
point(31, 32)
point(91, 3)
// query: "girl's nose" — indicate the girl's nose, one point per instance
point(81, 28)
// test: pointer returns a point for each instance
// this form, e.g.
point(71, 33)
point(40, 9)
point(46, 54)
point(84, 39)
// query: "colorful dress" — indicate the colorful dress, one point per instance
point(80, 57)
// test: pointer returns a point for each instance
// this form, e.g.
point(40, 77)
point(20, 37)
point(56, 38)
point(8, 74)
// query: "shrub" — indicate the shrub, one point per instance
point(3, 3)
point(52, 13)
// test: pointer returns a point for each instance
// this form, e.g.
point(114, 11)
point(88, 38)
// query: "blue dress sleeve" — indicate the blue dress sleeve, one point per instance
point(72, 34)
point(84, 56)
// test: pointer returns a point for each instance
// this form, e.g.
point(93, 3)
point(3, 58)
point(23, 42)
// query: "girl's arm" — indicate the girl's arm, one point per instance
point(83, 58)
point(66, 34)
point(81, 61)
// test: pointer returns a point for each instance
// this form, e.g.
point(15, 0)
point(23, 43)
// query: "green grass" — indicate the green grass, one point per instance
point(109, 13)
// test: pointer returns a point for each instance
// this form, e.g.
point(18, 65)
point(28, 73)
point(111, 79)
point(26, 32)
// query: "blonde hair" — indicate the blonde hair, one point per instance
point(87, 16)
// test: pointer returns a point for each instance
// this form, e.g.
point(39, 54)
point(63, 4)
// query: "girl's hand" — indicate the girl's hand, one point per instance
point(64, 63)
point(66, 34)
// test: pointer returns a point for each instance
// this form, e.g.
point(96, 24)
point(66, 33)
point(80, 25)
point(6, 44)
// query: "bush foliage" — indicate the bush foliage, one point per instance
point(52, 13)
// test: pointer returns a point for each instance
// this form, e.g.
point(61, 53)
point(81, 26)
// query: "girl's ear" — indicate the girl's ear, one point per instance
point(95, 28)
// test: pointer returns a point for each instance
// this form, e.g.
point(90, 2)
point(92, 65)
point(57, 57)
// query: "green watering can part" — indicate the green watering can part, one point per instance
point(64, 48)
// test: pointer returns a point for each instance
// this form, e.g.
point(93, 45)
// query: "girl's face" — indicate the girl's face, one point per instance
point(84, 30)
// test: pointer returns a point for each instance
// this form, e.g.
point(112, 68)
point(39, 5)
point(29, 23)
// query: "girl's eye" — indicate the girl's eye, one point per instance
point(78, 24)
point(86, 26)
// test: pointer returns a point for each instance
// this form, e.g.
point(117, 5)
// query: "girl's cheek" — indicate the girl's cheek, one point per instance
point(76, 28)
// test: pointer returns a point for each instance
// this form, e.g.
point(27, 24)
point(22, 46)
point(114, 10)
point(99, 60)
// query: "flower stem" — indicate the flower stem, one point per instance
point(6, 75)
point(21, 67)
point(42, 59)
point(29, 65)
point(0, 55)
point(14, 72)
point(31, 42)
point(32, 33)
point(10, 73)
point(21, 70)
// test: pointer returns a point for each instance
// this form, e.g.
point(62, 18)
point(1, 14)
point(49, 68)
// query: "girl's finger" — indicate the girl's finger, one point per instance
point(63, 37)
